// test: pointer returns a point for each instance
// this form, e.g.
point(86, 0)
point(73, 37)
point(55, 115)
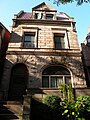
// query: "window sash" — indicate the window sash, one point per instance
point(29, 40)
point(55, 80)
point(59, 41)
point(45, 82)
point(49, 17)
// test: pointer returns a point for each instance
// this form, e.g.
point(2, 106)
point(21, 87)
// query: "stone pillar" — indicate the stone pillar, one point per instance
point(26, 107)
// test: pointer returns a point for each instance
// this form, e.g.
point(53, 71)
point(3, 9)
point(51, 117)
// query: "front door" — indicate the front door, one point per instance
point(18, 82)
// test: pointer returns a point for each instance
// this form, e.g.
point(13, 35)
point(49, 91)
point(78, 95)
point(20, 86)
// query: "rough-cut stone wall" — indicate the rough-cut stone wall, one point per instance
point(45, 35)
point(37, 63)
point(73, 40)
point(45, 39)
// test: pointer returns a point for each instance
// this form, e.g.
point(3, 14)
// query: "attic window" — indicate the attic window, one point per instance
point(38, 15)
point(49, 16)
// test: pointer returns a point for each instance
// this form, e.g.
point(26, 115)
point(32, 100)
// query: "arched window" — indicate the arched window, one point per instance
point(55, 75)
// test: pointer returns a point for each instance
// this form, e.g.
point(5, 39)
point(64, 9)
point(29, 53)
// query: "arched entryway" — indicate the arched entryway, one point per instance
point(54, 75)
point(18, 82)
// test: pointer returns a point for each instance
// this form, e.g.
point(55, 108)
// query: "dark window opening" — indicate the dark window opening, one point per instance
point(38, 15)
point(29, 40)
point(59, 41)
point(49, 16)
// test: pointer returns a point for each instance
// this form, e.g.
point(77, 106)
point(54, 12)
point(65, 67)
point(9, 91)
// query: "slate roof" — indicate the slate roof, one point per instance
point(62, 16)
point(26, 15)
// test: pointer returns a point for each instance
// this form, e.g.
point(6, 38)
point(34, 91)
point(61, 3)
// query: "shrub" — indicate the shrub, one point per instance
point(54, 109)
point(82, 106)
point(68, 110)
point(67, 92)
point(52, 101)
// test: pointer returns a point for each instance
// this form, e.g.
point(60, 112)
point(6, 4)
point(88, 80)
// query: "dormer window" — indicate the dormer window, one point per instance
point(49, 16)
point(38, 15)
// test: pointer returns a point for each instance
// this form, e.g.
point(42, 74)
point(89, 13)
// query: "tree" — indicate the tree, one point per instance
point(79, 2)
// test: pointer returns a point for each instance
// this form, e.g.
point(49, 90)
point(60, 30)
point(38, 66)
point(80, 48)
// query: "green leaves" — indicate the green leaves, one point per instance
point(79, 2)
point(66, 111)
point(82, 105)
point(52, 101)
point(70, 108)
point(67, 92)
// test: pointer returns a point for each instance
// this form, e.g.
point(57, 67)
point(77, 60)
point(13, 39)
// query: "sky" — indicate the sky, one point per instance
point(80, 13)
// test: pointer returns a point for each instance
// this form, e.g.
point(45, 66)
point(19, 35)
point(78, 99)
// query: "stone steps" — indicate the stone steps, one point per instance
point(11, 110)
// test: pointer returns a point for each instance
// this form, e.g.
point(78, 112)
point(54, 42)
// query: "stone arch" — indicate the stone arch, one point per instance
point(18, 82)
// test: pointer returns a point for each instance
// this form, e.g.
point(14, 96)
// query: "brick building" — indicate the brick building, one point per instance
point(43, 52)
point(4, 40)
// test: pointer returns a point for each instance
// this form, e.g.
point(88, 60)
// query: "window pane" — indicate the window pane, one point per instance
point(29, 40)
point(56, 70)
point(68, 80)
point(49, 17)
point(45, 81)
point(59, 41)
point(53, 81)
point(62, 42)
point(59, 80)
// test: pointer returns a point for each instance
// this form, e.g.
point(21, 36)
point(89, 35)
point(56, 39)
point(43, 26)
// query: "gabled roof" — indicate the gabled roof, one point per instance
point(44, 6)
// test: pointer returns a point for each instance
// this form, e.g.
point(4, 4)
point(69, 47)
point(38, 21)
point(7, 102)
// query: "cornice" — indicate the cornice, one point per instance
point(74, 52)
point(40, 22)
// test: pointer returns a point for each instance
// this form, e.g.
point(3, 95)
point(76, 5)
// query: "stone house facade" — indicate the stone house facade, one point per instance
point(43, 52)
